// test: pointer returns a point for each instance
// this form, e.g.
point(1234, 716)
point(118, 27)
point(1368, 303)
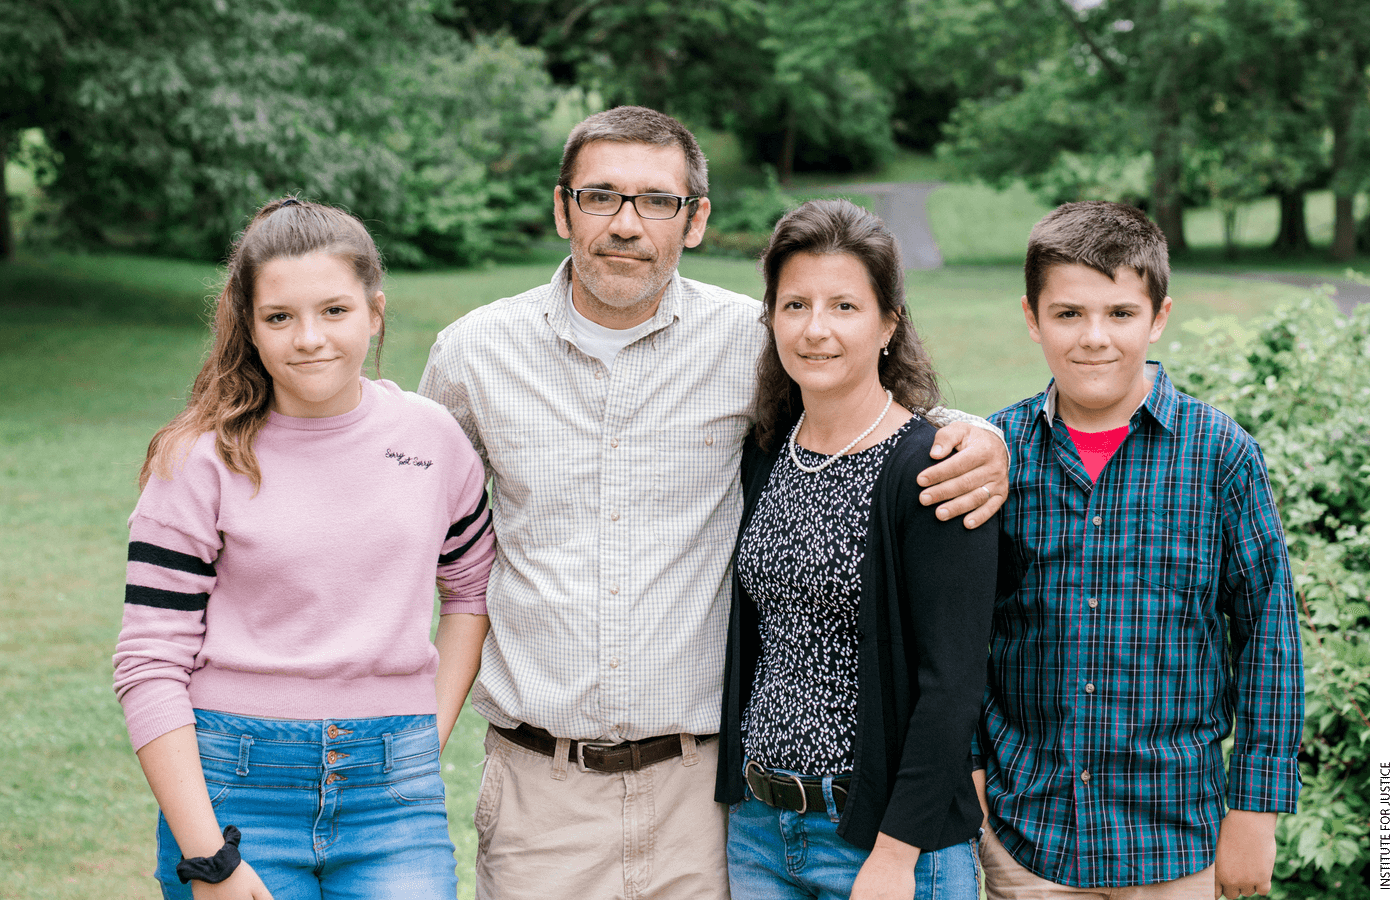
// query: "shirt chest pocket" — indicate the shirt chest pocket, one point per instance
point(535, 489)
point(694, 473)
point(1177, 551)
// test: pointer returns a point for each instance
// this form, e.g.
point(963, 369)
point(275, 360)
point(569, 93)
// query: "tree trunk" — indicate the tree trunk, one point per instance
point(1343, 186)
point(1231, 214)
point(1344, 235)
point(785, 164)
point(1292, 226)
point(1166, 180)
point(7, 234)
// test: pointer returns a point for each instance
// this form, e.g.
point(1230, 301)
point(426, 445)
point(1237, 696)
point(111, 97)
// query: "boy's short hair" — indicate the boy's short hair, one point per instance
point(1103, 236)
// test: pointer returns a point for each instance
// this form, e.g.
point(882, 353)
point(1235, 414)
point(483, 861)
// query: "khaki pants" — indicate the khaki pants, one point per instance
point(1009, 880)
point(545, 828)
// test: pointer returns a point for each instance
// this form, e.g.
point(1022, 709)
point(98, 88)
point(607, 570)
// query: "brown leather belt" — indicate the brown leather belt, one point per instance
point(794, 792)
point(628, 756)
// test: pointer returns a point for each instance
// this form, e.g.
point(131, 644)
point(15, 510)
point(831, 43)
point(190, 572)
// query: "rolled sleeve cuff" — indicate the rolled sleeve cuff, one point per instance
point(944, 415)
point(1260, 783)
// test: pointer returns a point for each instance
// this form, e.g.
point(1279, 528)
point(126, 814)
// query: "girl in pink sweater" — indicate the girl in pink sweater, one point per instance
point(274, 662)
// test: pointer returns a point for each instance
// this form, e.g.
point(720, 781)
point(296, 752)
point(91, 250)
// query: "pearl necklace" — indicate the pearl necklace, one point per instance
point(812, 470)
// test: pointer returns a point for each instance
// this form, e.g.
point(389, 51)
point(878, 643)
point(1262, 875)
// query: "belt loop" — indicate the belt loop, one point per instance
point(388, 752)
point(689, 755)
point(559, 767)
point(830, 798)
point(245, 746)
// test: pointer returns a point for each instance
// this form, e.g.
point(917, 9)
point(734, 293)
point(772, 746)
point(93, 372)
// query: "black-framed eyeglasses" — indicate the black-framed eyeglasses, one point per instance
point(598, 202)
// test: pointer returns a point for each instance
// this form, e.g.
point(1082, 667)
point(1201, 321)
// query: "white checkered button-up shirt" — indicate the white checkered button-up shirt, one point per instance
point(616, 503)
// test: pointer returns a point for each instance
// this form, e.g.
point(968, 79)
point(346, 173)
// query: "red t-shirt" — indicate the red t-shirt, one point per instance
point(1096, 448)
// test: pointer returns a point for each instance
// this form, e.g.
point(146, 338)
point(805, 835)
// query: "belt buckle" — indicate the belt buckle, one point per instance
point(801, 790)
point(771, 776)
point(596, 745)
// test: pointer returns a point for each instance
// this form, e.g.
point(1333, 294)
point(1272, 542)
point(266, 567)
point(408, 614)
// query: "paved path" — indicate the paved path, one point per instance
point(904, 207)
point(1349, 293)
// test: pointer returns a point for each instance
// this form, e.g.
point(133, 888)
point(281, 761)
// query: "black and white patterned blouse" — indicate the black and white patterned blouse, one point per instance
point(799, 559)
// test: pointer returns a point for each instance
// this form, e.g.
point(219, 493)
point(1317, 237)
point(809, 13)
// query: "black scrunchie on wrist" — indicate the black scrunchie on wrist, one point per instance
point(216, 868)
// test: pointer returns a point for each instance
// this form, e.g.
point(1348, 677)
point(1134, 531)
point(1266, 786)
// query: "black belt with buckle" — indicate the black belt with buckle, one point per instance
point(628, 756)
point(794, 792)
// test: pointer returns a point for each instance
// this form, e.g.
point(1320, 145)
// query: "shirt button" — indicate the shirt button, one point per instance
point(597, 373)
point(612, 589)
point(709, 439)
point(1093, 601)
point(1088, 688)
point(1084, 776)
point(614, 662)
point(615, 515)
point(1098, 520)
point(614, 443)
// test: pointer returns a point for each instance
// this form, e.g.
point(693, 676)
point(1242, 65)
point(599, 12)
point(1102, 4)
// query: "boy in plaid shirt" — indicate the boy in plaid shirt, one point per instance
point(1146, 605)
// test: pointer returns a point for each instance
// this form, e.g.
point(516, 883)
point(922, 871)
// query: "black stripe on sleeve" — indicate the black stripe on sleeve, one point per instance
point(455, 555)
point(142, 552)
point(466, 521)
point(161, 599)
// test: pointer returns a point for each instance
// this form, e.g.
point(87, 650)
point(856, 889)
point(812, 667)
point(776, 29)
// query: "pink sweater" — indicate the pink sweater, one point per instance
point(313, 598)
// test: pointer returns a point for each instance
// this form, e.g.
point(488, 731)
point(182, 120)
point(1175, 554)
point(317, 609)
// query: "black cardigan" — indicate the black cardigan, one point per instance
point(927, 589)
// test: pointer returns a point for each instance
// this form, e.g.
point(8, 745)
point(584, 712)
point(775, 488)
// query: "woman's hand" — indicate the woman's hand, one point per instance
point(888, 872)
point(243, 884)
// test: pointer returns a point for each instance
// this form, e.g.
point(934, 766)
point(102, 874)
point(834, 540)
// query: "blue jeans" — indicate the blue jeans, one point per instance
point(333, 808)
point(778, 854)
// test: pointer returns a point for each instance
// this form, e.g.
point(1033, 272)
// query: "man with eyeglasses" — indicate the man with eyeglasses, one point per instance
point(610, 408)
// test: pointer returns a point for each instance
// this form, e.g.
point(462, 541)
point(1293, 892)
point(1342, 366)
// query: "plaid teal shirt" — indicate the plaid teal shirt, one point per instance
point(1137, 619)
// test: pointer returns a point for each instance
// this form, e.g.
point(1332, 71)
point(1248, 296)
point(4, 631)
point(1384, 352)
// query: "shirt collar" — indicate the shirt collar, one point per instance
point(1160, 403)
point(562, 292)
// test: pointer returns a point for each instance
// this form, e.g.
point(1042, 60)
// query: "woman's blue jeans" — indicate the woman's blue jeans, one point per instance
point(333, 808)
point(778, 854)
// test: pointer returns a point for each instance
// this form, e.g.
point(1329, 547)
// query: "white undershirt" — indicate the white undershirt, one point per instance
point(599, 341)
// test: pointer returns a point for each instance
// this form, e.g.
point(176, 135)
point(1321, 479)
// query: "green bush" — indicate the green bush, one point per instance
point(478, 164)
point(1298, 381)
point(742, 220)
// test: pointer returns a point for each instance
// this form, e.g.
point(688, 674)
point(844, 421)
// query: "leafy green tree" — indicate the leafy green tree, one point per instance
point(1339, 78)
point(802, 85)
point(1230, 101)
point(684, 58)
point(170, 120)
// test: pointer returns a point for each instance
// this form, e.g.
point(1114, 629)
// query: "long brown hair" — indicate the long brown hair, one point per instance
point(839, 226)
point(232, 393)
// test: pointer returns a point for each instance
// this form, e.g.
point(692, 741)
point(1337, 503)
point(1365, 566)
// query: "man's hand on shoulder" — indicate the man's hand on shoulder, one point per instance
point(1244, 855)
point(973, 482)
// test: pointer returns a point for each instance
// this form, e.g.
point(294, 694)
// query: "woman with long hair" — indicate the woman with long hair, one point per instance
point(858, 632)
point(280, 688)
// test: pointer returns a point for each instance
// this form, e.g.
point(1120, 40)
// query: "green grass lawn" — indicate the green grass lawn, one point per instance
point(98, 352)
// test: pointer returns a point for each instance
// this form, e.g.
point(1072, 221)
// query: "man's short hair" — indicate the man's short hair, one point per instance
point(1103, 236)
point(637, 125)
